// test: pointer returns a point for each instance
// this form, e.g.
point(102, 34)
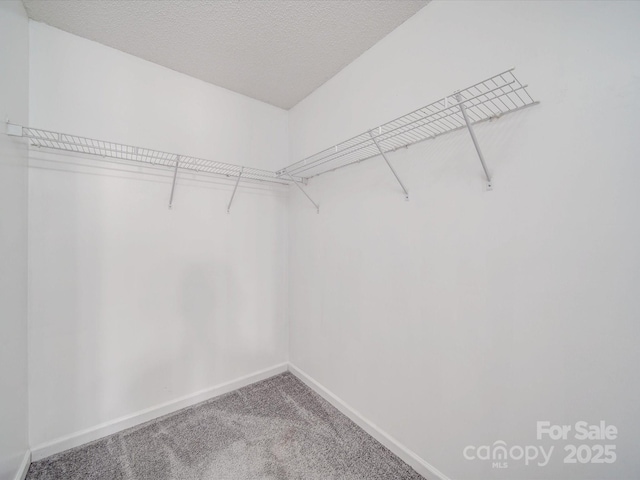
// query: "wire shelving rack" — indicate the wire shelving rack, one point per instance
point(486, 100)
point(90, 146)
point(489, 99)
point(101, 148)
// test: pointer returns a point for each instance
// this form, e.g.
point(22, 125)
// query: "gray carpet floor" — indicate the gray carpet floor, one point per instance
point(274, 429)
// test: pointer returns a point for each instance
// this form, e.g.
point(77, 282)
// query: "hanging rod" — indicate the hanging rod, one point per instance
point(486, 100)
point(76, 144)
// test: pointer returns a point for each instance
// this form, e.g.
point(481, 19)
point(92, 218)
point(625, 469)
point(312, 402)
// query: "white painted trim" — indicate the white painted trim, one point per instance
point(21, 474)
point(417, 463)
point(108, 428)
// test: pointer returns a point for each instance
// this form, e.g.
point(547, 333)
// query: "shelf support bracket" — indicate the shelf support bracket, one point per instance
point(234, 190)
point(14, 130)
point(463, 110)
point(173, 185)
point(303, 191)
point(406, 192)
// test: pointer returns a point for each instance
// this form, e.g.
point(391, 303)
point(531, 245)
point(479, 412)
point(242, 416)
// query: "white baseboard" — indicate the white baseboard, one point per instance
point(79, 438)
point(418, 464)
point(99, 431)
point(21, 474)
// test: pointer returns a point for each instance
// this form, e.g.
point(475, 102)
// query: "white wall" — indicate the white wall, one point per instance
point(14, 86)
point(132, 304)
point(462, 316)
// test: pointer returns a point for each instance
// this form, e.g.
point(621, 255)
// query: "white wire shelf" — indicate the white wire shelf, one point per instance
point(89, 146)
point(496, 96)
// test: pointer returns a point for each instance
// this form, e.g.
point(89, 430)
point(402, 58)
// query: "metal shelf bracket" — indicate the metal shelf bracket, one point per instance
point(173, 184)
point(406, 192)
point(463, 110)
point(303, 191)
point(234, 190)
point(14, 130)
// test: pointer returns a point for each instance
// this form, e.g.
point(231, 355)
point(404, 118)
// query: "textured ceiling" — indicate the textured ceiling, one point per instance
point(277, 51)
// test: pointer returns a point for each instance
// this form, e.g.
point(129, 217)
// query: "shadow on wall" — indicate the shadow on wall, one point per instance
point(187, 350)
point(64, 345)
point(13, 305)
point(205, 302)
point(95, 351)
point(134, 305)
